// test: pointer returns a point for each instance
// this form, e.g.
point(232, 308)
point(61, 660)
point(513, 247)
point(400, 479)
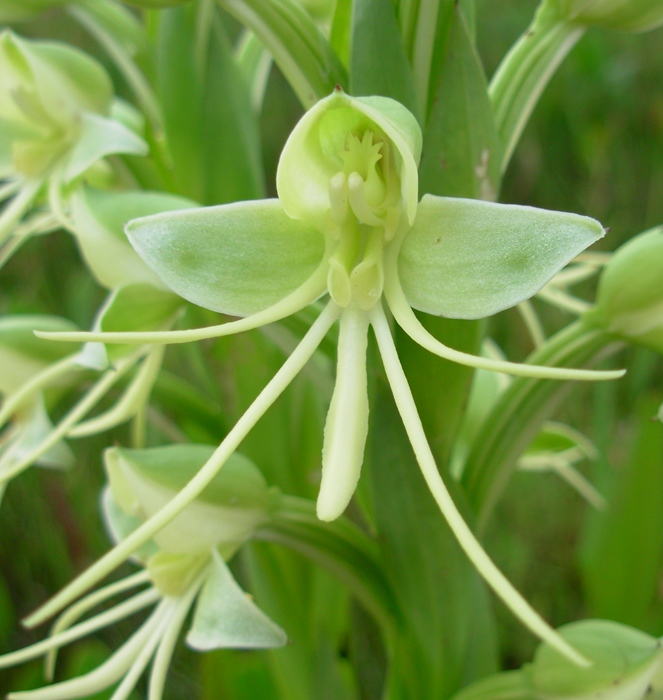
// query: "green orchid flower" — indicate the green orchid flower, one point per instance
point(627, 664)
point(34, 371)
point(183, 568)
point(57, 120)
point(348, 224)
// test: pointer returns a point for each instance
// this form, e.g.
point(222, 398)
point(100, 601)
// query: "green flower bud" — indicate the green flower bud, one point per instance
point(629, 301)
point(626, 665)
point(224, 516)
point(627, 15)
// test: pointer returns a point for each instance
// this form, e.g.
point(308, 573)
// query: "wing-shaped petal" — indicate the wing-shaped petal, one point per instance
point(466, 258)
point(236, 258)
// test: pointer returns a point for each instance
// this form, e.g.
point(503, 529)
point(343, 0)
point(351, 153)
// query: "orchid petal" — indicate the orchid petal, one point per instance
point(310, 156)
point(466, 538)
point(99, 137)
point(104, 619)
point(65, 78)
point(226, 618)
point(224, 515)
point(347, 421)
point(103, 676)
point(237, 258)
point(281, 380)
point(407, 320)
point(300, 298)
point(466, 258)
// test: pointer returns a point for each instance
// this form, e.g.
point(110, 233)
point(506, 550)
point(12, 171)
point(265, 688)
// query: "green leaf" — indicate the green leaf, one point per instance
point(225, 617)
point(469, 259)
point(441, 412)
point(461, 147)
point(524, 73)
point(378, 62)
point(341, 548)
point(621, 559)
point(211, 128)
point(99, 218)
point(341, 30)
point(237, 259)
point(519, 412)
point(99, 137)
point(18, 10)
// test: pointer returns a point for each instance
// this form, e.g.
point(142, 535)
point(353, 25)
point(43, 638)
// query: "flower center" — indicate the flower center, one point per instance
point(365, 210)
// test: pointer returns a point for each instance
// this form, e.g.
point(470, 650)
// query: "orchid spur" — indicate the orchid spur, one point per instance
point(348, 223)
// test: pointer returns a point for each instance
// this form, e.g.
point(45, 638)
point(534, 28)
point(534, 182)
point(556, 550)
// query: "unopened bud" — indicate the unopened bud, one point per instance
point(629, 299)
point(224, 516)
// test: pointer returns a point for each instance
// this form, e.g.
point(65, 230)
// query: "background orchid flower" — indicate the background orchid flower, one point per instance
point(35, 370)
point(348, 223)
point(183, 568)
point(58, 119)
point(23, 416)
point(627, 664)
